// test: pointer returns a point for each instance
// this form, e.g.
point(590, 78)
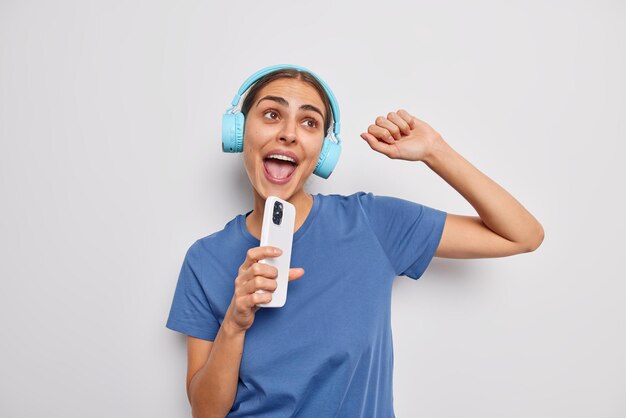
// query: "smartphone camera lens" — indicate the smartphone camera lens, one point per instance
point(278, 213)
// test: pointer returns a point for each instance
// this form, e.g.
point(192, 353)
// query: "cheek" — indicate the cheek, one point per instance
point(247, 162)
point(249, 151)
point(254, 135)
point(314, 153)
point(250, 140)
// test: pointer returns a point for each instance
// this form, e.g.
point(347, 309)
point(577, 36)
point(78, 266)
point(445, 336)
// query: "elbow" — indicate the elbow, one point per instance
point(195, 413)
point(209, 408)
point(537, 239)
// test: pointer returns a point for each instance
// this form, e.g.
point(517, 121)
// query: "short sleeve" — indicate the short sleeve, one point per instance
point(408, 232)
point(190, 312)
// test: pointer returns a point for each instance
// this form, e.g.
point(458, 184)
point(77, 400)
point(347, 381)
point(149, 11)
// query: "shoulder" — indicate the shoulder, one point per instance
point(362, 199)
point(346, 200)
point(383, 209)
point(339, 204)
point(367, 205)
point(216, 242)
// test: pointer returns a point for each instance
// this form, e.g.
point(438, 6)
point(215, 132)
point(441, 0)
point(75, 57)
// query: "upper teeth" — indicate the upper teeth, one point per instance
point(282, 157)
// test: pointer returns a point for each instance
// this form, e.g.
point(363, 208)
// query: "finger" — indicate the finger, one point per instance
point(260, 283)
point(259, 253)
point(376, 145)
point(295, 273)
point(270, 284)
point(249, 302)
point(390, 126)
point(405, 129)
point(381, 134)
point(408, 118)
point(261, 270)
point(256, 298)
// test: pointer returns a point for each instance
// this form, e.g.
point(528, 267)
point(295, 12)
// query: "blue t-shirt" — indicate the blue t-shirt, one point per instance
point(328, 352)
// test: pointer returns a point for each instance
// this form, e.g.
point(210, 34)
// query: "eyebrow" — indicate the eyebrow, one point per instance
point(282, 101)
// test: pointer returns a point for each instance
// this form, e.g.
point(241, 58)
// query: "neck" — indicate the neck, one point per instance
point(302, 201)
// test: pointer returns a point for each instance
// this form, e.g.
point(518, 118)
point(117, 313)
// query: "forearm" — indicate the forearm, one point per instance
point(213, 388)
point(497, 209)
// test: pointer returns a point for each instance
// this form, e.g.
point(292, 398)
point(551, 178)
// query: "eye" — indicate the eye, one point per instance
point(272, 114)
point(311, 123)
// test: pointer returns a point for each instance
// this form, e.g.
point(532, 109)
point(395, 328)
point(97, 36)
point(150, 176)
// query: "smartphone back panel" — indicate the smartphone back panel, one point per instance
point(278, 223)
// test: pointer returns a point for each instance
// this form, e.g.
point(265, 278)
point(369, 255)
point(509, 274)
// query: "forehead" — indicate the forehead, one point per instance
point(296, 92)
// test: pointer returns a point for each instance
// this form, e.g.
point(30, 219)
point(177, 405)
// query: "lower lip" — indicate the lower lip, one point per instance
point(278, 181)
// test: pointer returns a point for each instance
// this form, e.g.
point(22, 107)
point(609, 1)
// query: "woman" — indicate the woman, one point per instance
point(328, 351)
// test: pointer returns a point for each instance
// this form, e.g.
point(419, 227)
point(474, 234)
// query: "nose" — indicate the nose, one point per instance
point(288, 133)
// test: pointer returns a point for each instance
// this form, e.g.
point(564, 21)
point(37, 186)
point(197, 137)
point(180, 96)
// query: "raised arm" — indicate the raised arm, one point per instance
point(503, 226)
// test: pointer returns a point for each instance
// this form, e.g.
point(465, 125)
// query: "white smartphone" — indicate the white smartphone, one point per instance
point(279, 218)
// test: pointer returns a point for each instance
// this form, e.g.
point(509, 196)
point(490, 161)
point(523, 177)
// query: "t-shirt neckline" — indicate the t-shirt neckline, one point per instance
point(241, 220)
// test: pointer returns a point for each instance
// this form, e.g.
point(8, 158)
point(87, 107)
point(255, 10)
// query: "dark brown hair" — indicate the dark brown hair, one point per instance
point(288, 73)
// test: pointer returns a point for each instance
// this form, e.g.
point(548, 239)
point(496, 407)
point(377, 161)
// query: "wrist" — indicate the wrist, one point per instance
point(437, 153)
point(230, 329)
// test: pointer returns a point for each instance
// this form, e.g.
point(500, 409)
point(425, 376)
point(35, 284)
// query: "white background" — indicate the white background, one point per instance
point(111, 167)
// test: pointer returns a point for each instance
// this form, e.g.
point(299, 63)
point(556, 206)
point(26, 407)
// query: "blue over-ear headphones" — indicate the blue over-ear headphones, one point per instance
point(233, 123)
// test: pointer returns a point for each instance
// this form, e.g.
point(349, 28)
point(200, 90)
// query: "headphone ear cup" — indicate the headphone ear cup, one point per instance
point(328, 158)
point(232, 132)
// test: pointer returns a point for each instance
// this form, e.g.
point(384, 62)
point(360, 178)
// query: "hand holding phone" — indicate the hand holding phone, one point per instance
point(279, 218)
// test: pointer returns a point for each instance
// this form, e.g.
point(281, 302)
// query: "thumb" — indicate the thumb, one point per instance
point(295, 273)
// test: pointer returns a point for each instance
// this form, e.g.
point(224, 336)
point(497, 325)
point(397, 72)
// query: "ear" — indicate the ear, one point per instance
point(328, 158)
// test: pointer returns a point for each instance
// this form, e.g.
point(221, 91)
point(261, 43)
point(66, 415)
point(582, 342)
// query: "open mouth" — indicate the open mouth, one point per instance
point(279, 167)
